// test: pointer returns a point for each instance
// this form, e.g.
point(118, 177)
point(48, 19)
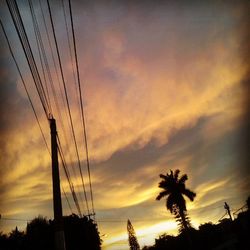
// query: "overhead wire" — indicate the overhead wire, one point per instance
point(68, 176)
point(60, 89)
point(25, 87)
point(57, 74)
point(70, 208)
point(43, 71)
point(35, 71)
point(68, 106)
point(50, 46)
point(222, 216)
point(15, 219)
point(18, 23)
point(41, 45)
point(16, 17)
point(41, 52)
point(82, 110)
point(69, 112)
point(44, 98)
point(70, 52)
point(52, 55)
point(71, 57)
point(69, 45)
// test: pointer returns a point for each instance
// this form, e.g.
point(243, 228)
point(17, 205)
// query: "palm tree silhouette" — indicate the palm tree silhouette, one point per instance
point(174, 191)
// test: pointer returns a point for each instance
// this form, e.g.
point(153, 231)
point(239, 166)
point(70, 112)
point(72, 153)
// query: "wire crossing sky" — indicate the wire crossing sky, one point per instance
point(41, 86)
point(138, 88)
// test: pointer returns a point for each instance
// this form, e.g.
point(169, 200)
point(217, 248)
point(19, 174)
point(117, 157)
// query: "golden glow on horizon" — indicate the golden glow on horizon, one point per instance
point(143, 233)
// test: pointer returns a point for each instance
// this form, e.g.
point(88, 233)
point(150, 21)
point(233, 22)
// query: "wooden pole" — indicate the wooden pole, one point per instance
point(57, 203)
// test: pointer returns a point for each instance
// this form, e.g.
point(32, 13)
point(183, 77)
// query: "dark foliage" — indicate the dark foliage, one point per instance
point(16, 239)
point(227, 235)
point(80, 233)
point(132, 239)
point(39, 234)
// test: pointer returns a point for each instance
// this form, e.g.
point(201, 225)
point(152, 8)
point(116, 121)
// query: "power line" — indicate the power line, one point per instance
point(17, 20)
point(222, 216)
point(50, 45)
point(45, 57)
point(82, 111)
point(29, 56)
point(71, 57)
point(15, 219)
point(69, 44)
point(53, 89)
point(67, 200)
point(40, 44)
point(239, 209)
point(67, 101)
point(68, 177)
point(25, 87)
point(41, 51)
point(52, 55)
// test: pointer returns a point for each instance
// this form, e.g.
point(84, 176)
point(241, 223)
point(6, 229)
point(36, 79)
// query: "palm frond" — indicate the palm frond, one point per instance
point(183, 179)
point(162, 184)
point(190, 194)
point(164, 177)
point(166, 184)
point(176, 174)
point(162, 194)
point(171, 175)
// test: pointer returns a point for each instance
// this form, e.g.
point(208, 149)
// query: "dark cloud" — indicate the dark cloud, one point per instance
point(9, 104)
point(220, 157)
point(183, 142)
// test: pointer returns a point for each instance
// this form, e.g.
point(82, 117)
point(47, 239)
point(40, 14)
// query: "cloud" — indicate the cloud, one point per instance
point(163, 89)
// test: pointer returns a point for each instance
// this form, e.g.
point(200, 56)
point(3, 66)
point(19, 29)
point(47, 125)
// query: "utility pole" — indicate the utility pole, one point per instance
point(226, 206)
point(57, 202)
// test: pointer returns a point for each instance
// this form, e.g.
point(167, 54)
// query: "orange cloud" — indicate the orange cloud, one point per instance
point(146, 78)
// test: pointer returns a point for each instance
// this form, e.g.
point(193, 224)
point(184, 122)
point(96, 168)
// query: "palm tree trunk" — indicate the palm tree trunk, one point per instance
point(183, 219)
point(186, 228)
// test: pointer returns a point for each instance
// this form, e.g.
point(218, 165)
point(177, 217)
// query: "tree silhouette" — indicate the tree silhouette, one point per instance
point(16, 239)
point(174, 191)
point(39, 234)
point(80, 233)
point(224, 235)
point(133, 243)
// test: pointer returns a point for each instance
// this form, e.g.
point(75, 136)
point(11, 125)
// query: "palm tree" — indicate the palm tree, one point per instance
point(174, 190)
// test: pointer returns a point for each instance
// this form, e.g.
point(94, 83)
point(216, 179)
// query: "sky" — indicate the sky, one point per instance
point(165, 86)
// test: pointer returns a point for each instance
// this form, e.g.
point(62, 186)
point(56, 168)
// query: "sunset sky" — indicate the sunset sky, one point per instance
point(165, 86)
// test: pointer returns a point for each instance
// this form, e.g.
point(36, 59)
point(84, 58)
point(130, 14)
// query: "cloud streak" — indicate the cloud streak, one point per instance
point(164, 88)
